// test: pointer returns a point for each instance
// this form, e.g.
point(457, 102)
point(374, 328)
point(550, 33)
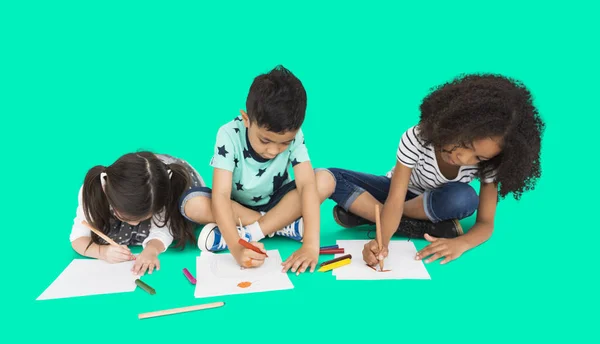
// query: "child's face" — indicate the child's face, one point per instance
point(481, 150)
point(266, 143)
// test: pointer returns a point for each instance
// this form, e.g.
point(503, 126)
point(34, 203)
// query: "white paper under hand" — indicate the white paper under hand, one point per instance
point(220, 274)
point(400, 262)
point(83, 277)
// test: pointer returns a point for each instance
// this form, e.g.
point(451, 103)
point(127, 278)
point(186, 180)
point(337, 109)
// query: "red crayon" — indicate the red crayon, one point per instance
point(250, 246)
point(332, 251)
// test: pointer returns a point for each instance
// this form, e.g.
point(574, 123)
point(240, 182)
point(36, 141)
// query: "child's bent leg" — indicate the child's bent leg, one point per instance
point(288, 210)
point(442, 207)
point(451, 201)
point(196, 206)
point(359, 192)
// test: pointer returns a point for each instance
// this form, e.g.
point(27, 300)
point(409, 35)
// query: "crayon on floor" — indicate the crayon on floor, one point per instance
point(144, 286)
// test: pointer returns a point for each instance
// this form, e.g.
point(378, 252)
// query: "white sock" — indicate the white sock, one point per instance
point(255, 231)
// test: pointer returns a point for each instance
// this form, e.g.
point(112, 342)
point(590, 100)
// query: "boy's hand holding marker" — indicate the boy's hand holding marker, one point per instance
point(249, 257)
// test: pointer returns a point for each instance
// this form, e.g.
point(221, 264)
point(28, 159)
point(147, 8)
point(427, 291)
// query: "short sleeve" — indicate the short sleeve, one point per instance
point(298, 151)
point(409, 148)
point(79, 230)
point(224, 154)
point(490, 177)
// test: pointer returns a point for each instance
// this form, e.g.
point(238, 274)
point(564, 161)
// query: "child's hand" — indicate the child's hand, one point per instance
point(440, 247)
point(147, 260)
point(371, 254)
point(300, 260)
point(115, 254)
point(248, 258)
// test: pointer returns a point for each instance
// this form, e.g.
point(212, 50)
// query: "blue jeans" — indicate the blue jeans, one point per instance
point(450, 201)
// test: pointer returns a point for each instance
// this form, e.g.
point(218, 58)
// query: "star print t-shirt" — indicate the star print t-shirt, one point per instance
point(254, 179)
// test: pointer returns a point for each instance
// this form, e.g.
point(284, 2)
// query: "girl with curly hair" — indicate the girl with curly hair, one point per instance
point(479, 126)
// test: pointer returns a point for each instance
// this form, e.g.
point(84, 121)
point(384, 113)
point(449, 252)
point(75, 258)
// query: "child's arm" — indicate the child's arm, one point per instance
point(308, 254)
point(478, 234)
point(158, 240)
point(484, 225)
point(223, 212)
point(81, 241)
point(109, 253)
point(391, 214)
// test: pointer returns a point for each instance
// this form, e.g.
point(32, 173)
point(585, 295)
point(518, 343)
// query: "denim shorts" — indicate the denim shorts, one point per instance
point(203, 191)
point(451, 201)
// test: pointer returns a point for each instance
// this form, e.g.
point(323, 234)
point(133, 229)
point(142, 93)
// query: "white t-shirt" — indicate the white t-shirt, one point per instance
point(426, 174)
point(161, 233)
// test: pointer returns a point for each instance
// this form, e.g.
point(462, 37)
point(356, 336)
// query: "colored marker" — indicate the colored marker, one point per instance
point(332, 251)
point(329, 247)
point(189, 276)
point(250, 246)
point(348, 256)
point(144, 286)
point(334, 265)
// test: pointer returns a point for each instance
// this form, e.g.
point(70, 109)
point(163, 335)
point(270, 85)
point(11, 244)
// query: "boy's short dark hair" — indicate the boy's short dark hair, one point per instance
point(277, 101)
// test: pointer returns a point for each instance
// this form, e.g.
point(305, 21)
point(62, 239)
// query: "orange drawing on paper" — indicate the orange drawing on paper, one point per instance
point(244, 284)
point(374, 269)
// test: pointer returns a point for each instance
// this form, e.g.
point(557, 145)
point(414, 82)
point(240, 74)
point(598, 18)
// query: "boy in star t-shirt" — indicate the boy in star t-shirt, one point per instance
point(252, 156)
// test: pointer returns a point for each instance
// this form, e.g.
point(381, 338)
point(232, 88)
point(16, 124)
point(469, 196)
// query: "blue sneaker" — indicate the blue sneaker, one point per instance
point(294, 230)
point(210, 238)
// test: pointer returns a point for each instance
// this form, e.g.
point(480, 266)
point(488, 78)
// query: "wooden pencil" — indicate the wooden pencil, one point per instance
point(100, 234)
point(180, 310)
point(378, 233)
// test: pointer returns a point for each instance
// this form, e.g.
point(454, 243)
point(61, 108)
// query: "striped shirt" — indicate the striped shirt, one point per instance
point(426, 175)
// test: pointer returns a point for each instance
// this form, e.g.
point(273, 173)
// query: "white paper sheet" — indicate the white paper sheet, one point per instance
point(84, 277)
point(400, 261)
point(219, 274)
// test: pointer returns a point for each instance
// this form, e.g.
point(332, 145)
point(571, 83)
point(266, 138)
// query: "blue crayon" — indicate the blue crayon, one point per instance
point(329, 247)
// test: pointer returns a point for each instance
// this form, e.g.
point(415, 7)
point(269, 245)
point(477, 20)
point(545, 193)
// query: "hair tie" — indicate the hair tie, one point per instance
point(170, 173)
point(103, 177)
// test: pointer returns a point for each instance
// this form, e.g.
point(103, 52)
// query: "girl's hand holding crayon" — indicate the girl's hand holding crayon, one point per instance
point(248, 258)
point(371, 253)
point(300, 260)
point(115, 254)
point(440, 248)
point(147, 261)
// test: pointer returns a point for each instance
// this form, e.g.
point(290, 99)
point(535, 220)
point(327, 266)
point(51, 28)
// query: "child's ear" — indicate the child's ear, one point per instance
point(245, 118)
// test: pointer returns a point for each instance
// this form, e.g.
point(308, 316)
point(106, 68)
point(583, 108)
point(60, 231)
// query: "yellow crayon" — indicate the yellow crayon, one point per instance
point(334, 265)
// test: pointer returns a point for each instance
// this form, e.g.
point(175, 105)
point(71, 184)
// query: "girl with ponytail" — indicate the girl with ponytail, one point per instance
point(135, 201)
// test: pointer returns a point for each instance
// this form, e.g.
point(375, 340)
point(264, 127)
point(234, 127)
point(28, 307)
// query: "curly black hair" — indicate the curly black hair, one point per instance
point(277, 101)
point(478, 106)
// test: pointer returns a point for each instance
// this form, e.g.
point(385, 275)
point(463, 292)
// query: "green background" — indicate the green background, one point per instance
point(85, 82)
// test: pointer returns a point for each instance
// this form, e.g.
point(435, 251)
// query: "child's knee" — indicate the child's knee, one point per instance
point(325, 183)
point(198, 209)
point(466, 200)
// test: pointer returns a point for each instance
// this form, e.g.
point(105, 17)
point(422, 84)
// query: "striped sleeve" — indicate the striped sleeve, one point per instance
point(490, 177)
point(409, 149)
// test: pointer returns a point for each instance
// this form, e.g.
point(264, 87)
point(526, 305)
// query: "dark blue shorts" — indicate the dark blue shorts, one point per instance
point(203, 191)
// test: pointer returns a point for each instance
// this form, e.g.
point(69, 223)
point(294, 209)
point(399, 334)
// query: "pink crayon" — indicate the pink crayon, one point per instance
point(189, 276)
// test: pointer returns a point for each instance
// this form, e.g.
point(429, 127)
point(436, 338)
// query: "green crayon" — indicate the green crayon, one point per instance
point(144, 286)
